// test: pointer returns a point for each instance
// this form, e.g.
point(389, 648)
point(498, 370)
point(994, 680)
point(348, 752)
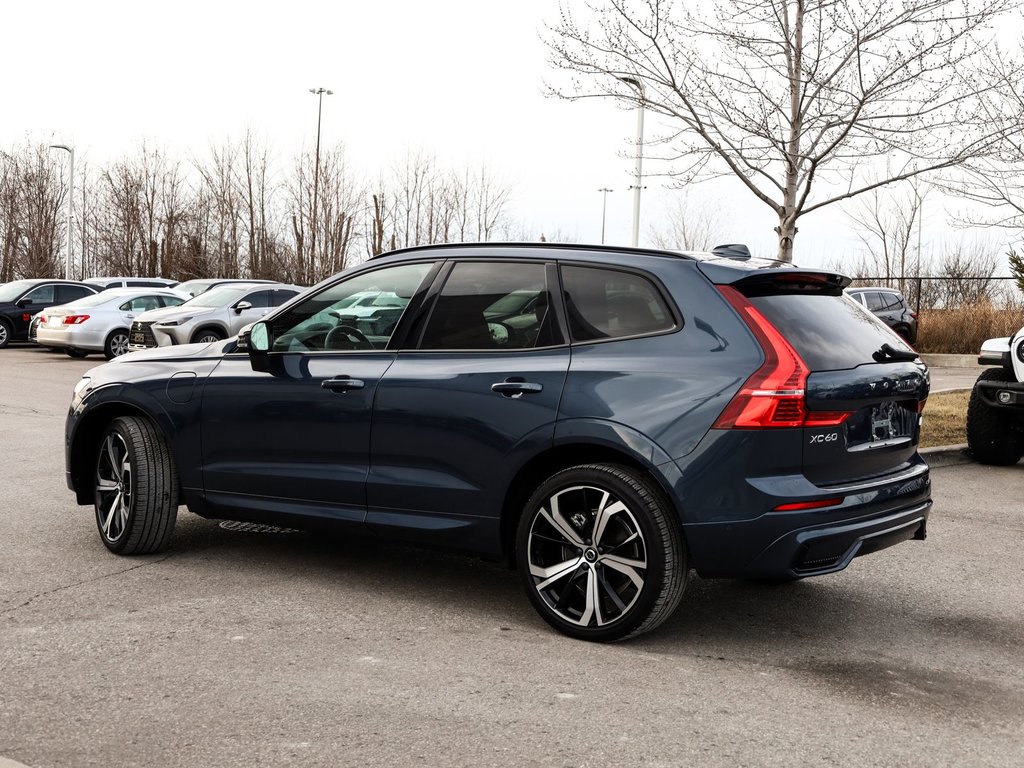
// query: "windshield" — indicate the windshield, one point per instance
point(221, 296)
point(194, 287)
point(11, 291)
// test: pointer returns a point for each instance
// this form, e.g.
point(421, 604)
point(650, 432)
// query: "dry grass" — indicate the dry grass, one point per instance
point(961, 331)
point(945, 420)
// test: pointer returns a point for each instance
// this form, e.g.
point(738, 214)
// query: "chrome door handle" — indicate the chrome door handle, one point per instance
point(512, 388)
point(342, 384)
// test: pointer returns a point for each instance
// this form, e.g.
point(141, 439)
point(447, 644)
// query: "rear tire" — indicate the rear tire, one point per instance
point(116, 344)
point(136, 496)
point(600, 553)
point(994, 435)
point(5, 333)
point(904, 333)
point(76, 353)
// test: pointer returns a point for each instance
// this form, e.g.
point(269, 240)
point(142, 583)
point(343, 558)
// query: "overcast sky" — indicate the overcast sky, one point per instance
point(462, 79)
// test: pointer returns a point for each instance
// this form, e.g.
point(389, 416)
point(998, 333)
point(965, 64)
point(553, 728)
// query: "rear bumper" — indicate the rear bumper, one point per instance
point(791, 545)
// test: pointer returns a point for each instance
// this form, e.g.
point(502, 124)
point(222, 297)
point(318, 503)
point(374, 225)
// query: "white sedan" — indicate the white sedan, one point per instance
point(100, 323)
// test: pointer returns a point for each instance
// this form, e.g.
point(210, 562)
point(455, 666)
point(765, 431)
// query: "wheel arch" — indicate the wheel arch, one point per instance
point(208, 326)
point(114, 330)
point(569, 454)
point(85, 441)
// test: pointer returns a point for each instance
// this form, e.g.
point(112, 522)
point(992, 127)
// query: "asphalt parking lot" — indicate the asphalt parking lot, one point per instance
point(242, 649)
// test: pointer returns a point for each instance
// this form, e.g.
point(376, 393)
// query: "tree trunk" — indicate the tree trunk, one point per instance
point(787, 234)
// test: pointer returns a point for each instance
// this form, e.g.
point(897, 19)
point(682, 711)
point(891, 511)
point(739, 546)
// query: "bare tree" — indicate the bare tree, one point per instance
point(967, 266)
point(32, 193)
point(797, 99)
point(220, 209)
point(10, 232)
point(888, 224)
point(688, 225)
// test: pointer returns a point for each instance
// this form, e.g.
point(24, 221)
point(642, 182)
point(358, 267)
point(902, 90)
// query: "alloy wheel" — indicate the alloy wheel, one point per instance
point(587, 556)
point(113, 487)
point(118, 344)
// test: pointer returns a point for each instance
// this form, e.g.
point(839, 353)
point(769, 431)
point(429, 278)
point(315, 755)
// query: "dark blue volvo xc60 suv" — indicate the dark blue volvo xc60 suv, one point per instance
point(608, 419)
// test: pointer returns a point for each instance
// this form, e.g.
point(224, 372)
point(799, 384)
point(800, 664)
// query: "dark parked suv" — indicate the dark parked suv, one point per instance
point(22, 299)
point(607, 419)
point(890, 306)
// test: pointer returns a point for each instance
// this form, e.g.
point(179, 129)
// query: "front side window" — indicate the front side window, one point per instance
point(259, 299)
point(873, 301)
point(331, 321)
point(493, 306)
point(609, 304)
point(890, 301)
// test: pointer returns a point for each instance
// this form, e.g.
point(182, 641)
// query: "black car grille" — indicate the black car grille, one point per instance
point(142, 335)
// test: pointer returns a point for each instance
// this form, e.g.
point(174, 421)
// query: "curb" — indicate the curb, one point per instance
point(947, 455)
point(950, 361)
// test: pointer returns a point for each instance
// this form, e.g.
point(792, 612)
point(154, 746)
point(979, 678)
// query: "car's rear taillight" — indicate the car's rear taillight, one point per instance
point(75, 319)
point(773, 396)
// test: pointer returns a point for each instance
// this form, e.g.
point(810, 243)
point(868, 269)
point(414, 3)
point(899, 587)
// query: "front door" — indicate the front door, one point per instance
point(295, 439)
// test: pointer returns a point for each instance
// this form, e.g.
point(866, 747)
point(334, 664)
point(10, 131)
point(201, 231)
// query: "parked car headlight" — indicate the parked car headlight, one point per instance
point(180, 321)
point(80, 391)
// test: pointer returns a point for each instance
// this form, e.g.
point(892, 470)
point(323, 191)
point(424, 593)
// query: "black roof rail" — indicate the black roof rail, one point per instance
point(538, 246)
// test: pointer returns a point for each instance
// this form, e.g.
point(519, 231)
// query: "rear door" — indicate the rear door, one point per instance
point(858, 367)
point(456, 417)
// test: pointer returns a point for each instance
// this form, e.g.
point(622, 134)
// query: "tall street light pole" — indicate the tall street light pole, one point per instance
point(634, 83)
point(71, 202)
point(604, 208)
point(319, 93)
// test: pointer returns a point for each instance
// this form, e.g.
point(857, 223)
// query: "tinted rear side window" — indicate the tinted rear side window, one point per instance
point(493, 306)
point(608, 304)
point(829, 332)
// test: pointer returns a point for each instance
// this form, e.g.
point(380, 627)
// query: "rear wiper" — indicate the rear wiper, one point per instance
point(888, 353)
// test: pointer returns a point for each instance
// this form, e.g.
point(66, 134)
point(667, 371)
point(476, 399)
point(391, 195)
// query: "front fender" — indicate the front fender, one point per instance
point(178, 421)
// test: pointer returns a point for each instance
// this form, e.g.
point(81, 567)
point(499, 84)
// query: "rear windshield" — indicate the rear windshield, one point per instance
point(830, 333)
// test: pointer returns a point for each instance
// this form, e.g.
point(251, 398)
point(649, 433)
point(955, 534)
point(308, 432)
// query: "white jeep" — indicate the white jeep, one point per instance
point(995, 414)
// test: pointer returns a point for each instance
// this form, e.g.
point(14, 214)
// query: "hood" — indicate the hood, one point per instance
point(177, 352)
point(173, 313)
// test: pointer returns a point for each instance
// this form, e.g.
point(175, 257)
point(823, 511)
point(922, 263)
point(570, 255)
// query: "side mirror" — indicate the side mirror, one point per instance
point(241, 306)
point(24, 303)
point(257, 341)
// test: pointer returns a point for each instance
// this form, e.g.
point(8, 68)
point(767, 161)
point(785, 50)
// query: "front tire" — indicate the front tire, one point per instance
point(76, 353)
point(207, 336)
point(136, 484)
point(994, 435)
point(600, 553)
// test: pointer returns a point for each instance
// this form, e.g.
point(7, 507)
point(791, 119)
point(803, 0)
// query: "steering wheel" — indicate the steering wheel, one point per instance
point(353, 338)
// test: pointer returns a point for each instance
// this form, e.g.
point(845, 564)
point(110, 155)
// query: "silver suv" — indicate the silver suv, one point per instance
point(211, 316)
